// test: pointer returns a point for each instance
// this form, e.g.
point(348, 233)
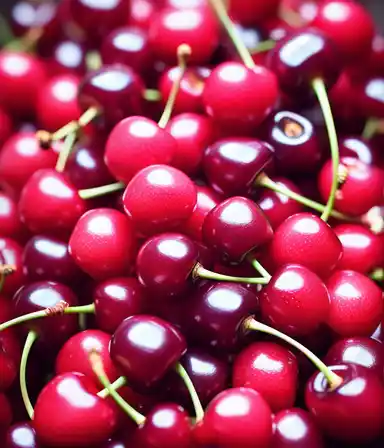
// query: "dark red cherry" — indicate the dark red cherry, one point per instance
point(360, 149)
point(26, 14)
point(353, 412)
point(159, 198)
point(142, 13)
point(362, 190)
point(116, 90)
point(235, 227)
point(307, 240)
point(238, 97)
point(136, 143)
point(49, 204)
point(81, 418)
point(232, 164)
point(12, 253)
point(115, 300)
point(6, 126)
point(10, 224)
point(252, 13)
point(195, 27)
point(296, 428)
point(348, 25)
point(67, 56)
point(356, 304)
point(22, 435)
point(103, 243)
point(144, 348)
point(370, 96)
point(5, 413)
point(8, 371)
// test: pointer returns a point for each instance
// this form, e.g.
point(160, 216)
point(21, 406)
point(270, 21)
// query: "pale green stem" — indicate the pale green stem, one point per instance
point(370, 128)
point(152, 95)
point(31, 339)
point(120, 382)
point(69, 142)
point(200, 272)
point(259, 268)
point(199, 411)
point(91, 193)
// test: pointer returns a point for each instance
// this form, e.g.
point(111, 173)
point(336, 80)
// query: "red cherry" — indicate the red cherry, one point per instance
point(12, 253)
point(251, 13)
point(79, 422)
point(356, 304)
point(5, 126)
point(67, 57)
point(159, 198)
point(22, 435)
point(5, 413)
point(269, 369)
point(142, 12)
point(103, 243)
point(10, 224)
point(8, 370)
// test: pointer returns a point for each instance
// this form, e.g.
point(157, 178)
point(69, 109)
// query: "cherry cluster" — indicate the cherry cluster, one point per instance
point(191, 224)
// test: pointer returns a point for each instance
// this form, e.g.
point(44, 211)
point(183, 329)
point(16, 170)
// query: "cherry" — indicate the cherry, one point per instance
point(80, 422)
point(5, 412)
point(49, 204)
point(103, 243)
point(353, 412)
point(360, 149)
point(231, 165)
point(361, 248)
point(25, 15)
point(159, 198)
point(370, 97)
point(356, 304)
point(6, 126)
point(66, 57)
point(142, 13)
point(8, 370)
point(22, 435)
point(376, 56)
point(144, 348)
point(348, 25)
point(21, 76)
point(10, 224)
point(11, 252)
point(252, 13)
point(295, 428)
point(362, 190)
point(307, 240)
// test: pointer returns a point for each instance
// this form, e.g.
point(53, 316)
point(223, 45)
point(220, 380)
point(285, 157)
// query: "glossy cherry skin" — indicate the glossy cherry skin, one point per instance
point(38, 296)
point(172, 27)
point(159, 198)
point(103, 243)
point(370, 96)
point(134, 144)
point(296, 428)
point(252, 13)
point(116, 90)
point(11, 252)
point(5, 413)
point(10, 224)
point(229, 421)
point(307, 240)
point(360, 149)
point(22, 435)
point(21, 76)
point(356, 304)
point(238, 97)
point(67, 57)
point(361, 248)
point(231, 165)
point(193, 134)
point(142, 13)
point(81, 418)
point(8, 371)
point(49, 204)
point(353, 412)
point(348, 25)
point(6, 126)
point(115, 300)
point(144, 348)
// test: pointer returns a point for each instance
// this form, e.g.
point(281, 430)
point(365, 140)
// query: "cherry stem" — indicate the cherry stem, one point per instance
point(261, 47)
point(378, 275)
point(200, 272)
point(31, 339)
point(183, 52)
point(84, 309)
point(97, 367)
point(199, 411)
point(120, 382)
point(28, 41)
point(259, 268)
point(69, 143)
point(91, 193)
point(222, 14)
point(372, 127)
point(6, 34)
point(152, 95)
point(322, 96)
point(5, 270)
point(93, 60)
point(333, 379)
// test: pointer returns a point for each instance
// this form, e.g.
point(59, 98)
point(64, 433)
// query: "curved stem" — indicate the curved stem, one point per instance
point(200, 272)
point(31, 339)
point(370, 128)
point(266, 45)
point(322, 96)
point(152, 95)
point(69, 142)
point(120, 382)
point(221, 12)
point(199, 411)
point(333, 379)
point(259, 268)
point(97, 367)
point(90, 193)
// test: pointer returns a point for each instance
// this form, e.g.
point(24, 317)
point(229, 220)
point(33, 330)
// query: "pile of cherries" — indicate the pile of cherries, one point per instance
point(191, 224)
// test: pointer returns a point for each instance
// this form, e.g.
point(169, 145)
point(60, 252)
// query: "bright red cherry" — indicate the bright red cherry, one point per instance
point(22, 435)
point(307, 240)
point(103, 243)
point(252, 13)
point(142, 13)
point(356, 304)
point(12, 253)
point(134, 144)
point(6, 126)
point(159, 198)
point(10, 224)
point(81, 418)
point(67, 57)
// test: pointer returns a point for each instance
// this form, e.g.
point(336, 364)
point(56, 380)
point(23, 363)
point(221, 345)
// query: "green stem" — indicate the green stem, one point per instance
point(91, 193)
point(322, 96)
point(31, 339)
point(259, 268)
point(120, 382)
point(152, 95)
point(370, 129)
point(69, 142)
point(200, 272)
point(93, 61)
point(199, 411)
point(378, 275)
point(266, 45)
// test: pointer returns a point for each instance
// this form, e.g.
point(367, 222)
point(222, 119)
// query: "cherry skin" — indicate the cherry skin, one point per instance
point(6, 126)
point(115, 300)
point(67, 57)
point(252, 13)
point(136, 143)
point(238, 97)
point(307, 240)
point(110, 235)
point(360, 149)
point(296, 428)
point(5, 412)
point(8, 371)
point(231, 165)
point(11, 252)
point(233, 239)
point(82, 422)
point(10, 224)
point(142, 13)
point(144, 348)
point(159, 198)
point(353, 412)
point(356, 304)
point(370, 96)
point(22, 435)
point(49, 204)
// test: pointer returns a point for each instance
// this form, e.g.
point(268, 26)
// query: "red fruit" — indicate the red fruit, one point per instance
point(12, 253)
point(5, 126)
point(10, 225)
point(142, 12)
point(5, 412)
point(251, 13)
